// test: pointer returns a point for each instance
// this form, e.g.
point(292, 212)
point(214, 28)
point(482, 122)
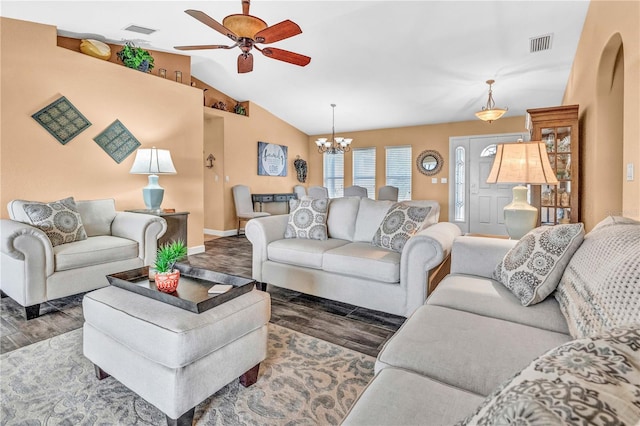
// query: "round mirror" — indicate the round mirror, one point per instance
point(429, 162)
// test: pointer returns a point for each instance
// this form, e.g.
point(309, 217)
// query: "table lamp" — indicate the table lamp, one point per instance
point(521, 163)
point(153, 162)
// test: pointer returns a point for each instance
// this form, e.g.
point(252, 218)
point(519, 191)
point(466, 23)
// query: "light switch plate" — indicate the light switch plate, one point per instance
point(443, 180)
point(629, 172)
point(434, 180)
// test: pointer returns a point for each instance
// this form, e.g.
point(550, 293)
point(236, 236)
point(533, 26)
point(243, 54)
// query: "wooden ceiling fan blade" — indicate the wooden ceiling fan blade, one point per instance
point(210, 22)
point(203, 46)
point(245, 63)
point(277, 32)
point(286, 56)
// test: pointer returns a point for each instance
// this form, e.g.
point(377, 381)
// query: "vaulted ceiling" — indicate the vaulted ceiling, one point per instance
point(384, 63)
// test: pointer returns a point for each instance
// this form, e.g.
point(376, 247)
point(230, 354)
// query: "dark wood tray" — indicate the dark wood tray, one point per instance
point(192, 290)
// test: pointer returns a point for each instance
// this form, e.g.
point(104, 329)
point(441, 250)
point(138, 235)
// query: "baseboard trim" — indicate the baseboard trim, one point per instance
point(217, 233)
point(195, 250)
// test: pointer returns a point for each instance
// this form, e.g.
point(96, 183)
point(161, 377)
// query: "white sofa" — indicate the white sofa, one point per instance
point(347, 267)
point(34, 271)
point(474, 354)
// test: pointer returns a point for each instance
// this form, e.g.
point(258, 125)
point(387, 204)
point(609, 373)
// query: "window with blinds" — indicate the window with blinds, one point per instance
point(333, 174)
point(398, 170)
point(364, 169)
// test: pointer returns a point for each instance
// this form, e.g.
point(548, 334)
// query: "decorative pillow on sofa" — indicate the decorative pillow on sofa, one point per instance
point(308, 219)
point(600, 288)
point(60, 220)
point(583, 382)
point(533, 267)
point(399, 224)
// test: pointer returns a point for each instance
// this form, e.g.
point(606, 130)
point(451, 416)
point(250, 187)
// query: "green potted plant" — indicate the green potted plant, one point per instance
point(166, 276)
point(135, 57)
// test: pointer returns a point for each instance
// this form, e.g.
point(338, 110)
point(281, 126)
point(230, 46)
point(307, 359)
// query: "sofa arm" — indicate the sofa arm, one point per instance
point(423, 252)
point(478, 255)
point(26, 262)
point(261, 231)
point(145, 229)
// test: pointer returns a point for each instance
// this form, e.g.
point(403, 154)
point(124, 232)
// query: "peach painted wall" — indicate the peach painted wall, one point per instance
point(240, 160)
point(590, 84)
point(158, 112)
point(435, 136)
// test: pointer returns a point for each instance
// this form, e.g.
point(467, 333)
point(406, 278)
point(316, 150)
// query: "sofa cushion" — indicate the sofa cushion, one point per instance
point(308, 219)
point(400, 397)
point(586, 381)
point(487, 297)
point(59, 220)
point(398, 225)
point(300, 252)
point(600, 287)
point(466, 350)
point(94, 251)
point(533, 267)
point(97, 216)
point(341, 222)
point(363, 260)
point(434, 211)
point(370, 215)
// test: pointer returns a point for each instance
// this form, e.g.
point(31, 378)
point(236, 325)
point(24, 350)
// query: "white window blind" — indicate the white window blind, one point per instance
point(364, 169)
point(398, 170)
point(333, 174)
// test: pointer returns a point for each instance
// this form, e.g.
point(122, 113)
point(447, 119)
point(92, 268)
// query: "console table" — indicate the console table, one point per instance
point(273, 198)
point(176, 224)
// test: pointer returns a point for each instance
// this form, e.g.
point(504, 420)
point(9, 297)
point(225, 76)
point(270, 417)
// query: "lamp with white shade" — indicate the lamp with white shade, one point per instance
point(153, 162)
point(521, 163)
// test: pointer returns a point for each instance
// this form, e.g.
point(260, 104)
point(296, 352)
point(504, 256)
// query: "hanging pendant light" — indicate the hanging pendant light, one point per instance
point(489, 112)
point(336, 144)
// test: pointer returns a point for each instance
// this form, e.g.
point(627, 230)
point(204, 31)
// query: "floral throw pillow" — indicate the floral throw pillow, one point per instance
point(399, 224)
point(533, 267)
point(60, 220)
point(308, 219)
point(592, 381)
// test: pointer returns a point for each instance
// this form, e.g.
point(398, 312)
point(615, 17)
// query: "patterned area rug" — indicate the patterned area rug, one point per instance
point(303, 381)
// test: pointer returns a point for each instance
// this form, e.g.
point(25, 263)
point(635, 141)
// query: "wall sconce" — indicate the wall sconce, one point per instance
point(210, 159)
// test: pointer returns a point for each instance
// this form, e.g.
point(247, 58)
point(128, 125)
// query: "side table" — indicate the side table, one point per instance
point(176, 224)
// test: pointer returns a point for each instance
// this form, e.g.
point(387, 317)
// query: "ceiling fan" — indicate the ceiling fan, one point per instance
point(247, 31)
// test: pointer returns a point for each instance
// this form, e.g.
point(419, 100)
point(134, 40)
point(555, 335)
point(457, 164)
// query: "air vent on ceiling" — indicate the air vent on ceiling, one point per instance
point(540, 43)
point(139, 29)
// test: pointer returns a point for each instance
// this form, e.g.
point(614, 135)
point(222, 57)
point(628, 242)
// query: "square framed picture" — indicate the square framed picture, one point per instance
point(272, 159)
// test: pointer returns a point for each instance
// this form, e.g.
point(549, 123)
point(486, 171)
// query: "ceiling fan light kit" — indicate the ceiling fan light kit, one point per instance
point(336, 144)
point(489, 112)
point(246, 31)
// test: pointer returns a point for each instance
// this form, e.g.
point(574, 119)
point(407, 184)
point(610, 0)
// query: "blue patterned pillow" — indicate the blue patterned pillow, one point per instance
point(532, 268)
point(60, 220)
point(308, 219)
point(400, 223)
point(592, 381)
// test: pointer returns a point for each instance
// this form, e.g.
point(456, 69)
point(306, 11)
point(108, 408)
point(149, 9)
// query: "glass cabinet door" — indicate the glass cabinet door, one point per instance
point(555, 200)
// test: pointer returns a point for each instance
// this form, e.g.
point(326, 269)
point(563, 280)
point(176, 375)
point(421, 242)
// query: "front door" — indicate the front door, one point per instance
point(475, 205)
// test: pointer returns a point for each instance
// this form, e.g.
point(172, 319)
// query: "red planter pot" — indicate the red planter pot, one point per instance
point(168, 282)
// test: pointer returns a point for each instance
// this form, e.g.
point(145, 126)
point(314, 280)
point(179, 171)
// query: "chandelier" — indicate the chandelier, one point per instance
point(336, 144)
point(490, 112)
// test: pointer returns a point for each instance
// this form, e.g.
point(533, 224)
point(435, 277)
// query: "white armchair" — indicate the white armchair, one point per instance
point(34, 271)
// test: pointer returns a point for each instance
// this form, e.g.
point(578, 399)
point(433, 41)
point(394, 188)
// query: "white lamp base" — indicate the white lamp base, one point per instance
point(520, 217)
point(153, 194)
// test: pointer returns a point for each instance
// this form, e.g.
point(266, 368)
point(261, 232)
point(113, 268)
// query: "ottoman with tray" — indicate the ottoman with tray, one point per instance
point(176, 351)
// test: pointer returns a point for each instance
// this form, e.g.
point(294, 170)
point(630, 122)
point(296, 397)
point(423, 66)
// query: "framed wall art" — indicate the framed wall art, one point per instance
point(117, 141)
point(272, 159)
point(62, 120)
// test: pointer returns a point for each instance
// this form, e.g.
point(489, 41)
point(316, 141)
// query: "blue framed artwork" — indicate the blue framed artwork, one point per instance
point(62, 120)
point(117, 141)
point(272, 159)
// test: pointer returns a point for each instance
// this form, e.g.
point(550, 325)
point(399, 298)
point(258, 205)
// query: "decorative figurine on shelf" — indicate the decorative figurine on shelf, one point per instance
point(204, 96)
point(239, 109)
point(219, 105)
point(301, 169)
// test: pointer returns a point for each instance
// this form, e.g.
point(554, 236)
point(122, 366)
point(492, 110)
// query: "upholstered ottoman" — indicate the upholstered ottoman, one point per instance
point(171, 357)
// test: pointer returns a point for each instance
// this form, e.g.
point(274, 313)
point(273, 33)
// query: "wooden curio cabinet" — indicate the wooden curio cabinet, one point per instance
point(557, 127)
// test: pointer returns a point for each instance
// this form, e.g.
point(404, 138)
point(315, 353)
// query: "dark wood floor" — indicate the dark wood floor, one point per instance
point(346, 325)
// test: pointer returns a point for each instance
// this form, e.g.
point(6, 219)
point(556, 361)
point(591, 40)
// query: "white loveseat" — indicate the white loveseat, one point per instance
point(35, 271)
point(346, 267)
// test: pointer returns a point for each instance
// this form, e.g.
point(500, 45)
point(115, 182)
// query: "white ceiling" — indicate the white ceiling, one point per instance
point(384, 63)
